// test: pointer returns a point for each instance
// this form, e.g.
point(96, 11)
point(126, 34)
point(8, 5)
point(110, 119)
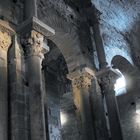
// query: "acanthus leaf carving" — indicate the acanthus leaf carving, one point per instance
point(5, 40)
point(83, 81)
point(33, 44)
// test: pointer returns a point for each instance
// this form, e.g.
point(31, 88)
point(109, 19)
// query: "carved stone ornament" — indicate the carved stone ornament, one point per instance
point(5, 40)
point(107, 77)
point(82, 78)
point(33, 44)
point(84, 81)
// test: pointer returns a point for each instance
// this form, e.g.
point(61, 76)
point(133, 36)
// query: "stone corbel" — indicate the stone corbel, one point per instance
point(82, 78)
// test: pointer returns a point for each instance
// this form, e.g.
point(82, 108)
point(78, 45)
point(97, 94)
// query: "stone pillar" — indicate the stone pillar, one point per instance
point(5, 42)
point(17, 103)
point(95, 23)
point(99, 46)
point(32, 33)
point(81, 81)
point(98, 111)
point(30, 8)
point(107, 78)
point(34, 52)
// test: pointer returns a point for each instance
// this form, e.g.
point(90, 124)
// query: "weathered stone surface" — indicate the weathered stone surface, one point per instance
point(70, 26)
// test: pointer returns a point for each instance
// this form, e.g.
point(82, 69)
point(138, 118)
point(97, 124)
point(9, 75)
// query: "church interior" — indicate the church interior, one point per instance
point(69, 69)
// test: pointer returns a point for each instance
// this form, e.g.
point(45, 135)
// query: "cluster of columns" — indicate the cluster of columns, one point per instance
point(18, 119)
point(107, 77)
point(96, 104)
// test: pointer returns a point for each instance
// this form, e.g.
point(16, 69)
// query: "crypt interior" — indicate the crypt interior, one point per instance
point(69, 69)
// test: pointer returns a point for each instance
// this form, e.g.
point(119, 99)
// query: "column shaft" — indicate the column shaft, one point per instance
point(83, 106)
point(30, 8)
point(19, 113)
point(5, 42)
point(35, 98)
point(98, 112)
point(33, 47)
point(99, 46)
point(81, 81)
point(108, 79)
point(113, 114)
point(3, 96)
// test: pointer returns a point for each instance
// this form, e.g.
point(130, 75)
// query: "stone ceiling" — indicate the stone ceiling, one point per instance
point(122, 14)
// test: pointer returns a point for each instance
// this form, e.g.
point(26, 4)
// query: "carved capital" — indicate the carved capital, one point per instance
point(33, 44)
point(107, 77)
point(84, 81)
point(5, 40)
point(82, 78)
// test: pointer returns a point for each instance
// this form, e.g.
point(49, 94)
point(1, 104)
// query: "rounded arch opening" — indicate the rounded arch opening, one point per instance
point(128, 104)
point(66, 38)
point(126, 69)
point(59, 104)
point(120, 85)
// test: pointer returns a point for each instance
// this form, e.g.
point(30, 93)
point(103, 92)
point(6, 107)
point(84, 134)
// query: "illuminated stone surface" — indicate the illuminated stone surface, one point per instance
point(56, 57)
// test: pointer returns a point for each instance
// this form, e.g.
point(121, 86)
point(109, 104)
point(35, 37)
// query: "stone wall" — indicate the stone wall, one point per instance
point(12, 10)
point(73, 42)
point(52, 106)
point(120, 28)
point(114, 29)
point(129, 118)
point(70, 129)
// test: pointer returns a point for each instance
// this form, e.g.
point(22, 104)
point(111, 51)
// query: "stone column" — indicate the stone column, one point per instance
point(34, 52)
point(81, 81)
point(30, 8)
point(107, 79)
point(19, 113)
point(99, 46)
point(32, 33)
point(98, 111)
point(95, 23)
point(5, 42)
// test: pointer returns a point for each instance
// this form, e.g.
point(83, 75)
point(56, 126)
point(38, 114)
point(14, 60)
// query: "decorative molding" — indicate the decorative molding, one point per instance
point(5, 40)
point(37, 25)
point(33, 44)
point(82, 78)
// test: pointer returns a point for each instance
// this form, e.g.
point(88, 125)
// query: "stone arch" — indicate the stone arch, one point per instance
point(66, 38)
point(122, 64)
point(126, 68)
point(57, 87)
